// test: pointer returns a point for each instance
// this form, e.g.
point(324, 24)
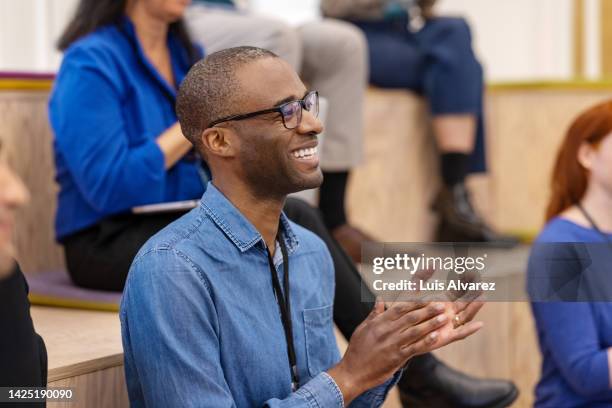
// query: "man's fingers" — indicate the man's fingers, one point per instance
point(378, 309)
point(472, 309)
point(414, 333)
point(398, 309)
point(421, 346)
point(417, 316)
point(466, 330)
point(463, 302)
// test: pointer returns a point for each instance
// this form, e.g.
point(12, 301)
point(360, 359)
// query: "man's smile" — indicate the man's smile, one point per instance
point(307, 154)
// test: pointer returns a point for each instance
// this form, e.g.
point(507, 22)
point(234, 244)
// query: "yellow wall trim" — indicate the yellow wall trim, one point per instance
point(14, 84)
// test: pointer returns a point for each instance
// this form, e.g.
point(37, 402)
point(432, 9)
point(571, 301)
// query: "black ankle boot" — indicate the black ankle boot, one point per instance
point(432, 384)
point(459, 221)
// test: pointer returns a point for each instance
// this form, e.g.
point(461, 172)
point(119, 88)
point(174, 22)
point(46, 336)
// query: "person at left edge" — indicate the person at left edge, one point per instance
point(23, 355)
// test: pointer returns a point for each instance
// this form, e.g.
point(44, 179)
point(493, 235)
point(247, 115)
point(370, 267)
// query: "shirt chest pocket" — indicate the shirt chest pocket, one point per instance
point(321, 349)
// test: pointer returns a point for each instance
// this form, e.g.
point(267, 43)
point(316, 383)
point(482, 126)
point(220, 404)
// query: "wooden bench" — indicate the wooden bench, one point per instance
point(85, 353)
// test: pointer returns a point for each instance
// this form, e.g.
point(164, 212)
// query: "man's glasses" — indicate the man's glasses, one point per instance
point(291, 111)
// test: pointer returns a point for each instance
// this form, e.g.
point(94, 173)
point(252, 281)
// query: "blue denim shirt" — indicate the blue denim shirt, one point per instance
point(201, 326)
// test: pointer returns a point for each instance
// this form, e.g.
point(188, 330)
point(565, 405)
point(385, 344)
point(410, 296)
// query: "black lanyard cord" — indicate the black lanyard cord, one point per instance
point(284, 305)
point(593, 224)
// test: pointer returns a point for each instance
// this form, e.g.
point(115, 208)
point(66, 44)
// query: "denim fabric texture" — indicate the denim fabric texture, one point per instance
point(201, 325)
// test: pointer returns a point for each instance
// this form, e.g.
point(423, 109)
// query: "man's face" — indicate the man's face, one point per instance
point(272, 158)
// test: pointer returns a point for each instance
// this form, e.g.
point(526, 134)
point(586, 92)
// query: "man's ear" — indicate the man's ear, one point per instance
point(585, 154)
point(219, 141)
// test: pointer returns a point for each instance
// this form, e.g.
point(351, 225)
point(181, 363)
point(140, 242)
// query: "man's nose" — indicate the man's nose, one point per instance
point(310, 123)
point(13, 192)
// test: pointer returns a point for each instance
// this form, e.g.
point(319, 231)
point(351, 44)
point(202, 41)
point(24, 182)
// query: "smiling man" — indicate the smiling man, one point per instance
point(231, 305)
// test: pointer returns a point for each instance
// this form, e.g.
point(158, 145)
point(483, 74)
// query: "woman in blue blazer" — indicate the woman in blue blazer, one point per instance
point(117, 141)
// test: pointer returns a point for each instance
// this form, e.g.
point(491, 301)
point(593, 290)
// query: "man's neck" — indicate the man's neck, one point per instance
point(151, 32)
point(262, 212)
point(598, 203)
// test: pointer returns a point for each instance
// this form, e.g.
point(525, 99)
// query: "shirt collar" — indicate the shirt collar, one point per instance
point(236, 226)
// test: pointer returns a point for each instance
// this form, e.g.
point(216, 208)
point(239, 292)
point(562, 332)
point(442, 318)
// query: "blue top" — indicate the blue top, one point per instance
point(107, 108)
point(201, 325)
point(573, 336)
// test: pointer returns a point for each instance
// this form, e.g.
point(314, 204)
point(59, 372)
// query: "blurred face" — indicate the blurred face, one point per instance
point(13, 195)
point(166, 10)
point(273, 159)
point(598, 161)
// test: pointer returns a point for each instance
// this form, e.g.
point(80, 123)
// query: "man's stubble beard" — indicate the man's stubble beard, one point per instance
point(269, 176)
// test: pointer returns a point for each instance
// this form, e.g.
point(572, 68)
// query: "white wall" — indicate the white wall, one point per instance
point(520, 39)
point(515, 39)
point(29, 30)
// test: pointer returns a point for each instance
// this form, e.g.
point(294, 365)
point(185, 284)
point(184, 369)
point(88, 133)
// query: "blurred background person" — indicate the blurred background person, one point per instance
point(331, 57)
point(23, 355)
point(411, 48)
point(575, 336)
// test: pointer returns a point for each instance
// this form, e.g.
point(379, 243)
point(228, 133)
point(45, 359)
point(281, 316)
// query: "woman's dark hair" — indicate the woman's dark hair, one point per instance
point(93, 14)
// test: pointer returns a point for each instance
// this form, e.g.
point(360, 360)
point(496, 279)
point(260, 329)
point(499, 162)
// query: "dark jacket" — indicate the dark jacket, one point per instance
point(23, 356)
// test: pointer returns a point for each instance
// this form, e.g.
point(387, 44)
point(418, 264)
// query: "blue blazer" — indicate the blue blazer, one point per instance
point(107, 107)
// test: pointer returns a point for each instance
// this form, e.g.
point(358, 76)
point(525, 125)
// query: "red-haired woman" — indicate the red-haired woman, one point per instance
point(572, 256)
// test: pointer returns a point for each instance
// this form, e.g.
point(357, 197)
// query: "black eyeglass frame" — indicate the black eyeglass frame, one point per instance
point(276, 109)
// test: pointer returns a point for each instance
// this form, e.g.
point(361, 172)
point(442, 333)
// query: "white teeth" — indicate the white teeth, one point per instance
point(300, 154)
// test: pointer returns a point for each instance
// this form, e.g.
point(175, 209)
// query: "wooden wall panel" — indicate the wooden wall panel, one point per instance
point(578, 39)
point(389, 193)
point(26, 134)
point(606, 37)
point(526, 127)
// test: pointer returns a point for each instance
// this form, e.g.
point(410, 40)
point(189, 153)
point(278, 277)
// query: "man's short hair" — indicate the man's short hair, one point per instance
point(211, 90)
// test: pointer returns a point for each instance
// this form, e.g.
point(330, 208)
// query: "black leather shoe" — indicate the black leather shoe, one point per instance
point(438, 386)
point(459, 222)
